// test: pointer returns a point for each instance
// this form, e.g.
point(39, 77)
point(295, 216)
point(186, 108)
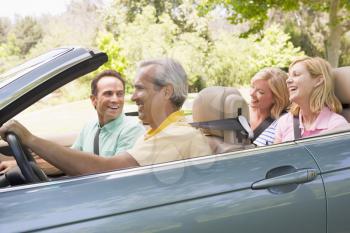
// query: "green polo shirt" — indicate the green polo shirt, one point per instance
point(116, 136)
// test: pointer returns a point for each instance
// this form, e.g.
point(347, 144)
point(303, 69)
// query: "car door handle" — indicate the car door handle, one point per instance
point(297, 177)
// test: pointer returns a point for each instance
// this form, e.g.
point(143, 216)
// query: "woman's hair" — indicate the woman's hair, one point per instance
point(323, 95)
point(276, 79)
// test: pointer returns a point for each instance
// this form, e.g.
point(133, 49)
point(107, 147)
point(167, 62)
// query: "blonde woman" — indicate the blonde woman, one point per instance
point(269, 99)
point(314, 106)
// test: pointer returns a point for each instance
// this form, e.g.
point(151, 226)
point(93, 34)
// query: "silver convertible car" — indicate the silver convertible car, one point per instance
point(298, 186)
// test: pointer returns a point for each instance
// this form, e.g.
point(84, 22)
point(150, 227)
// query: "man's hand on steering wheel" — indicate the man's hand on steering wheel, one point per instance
point(5, 166)
point(15, 134)
point(13, 126)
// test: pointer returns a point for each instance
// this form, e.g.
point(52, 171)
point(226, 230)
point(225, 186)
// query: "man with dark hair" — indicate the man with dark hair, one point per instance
point(112, 132)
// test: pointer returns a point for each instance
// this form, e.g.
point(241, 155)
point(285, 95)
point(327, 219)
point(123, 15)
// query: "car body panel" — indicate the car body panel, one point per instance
point(333, 157)
point(200, 194)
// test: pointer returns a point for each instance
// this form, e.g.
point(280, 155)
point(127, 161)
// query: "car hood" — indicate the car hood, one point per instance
point(27, 83)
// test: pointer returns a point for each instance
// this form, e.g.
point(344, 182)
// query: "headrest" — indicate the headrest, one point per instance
point(216, 103)
point(342, 84)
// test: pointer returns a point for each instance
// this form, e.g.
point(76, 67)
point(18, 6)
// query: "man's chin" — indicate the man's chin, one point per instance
point(143, 119)
point(114, 116)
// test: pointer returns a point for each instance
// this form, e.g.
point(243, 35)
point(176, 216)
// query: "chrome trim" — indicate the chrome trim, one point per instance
point(45, 77)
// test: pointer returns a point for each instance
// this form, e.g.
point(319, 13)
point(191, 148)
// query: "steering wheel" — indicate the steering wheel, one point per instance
point(25, 161)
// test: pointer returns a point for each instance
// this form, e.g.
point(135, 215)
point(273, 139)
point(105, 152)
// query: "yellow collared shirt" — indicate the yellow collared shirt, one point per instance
point(173, 140)
point(177, 116)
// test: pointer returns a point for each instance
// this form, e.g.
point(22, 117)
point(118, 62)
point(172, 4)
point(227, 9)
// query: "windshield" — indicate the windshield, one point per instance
point(28, 66)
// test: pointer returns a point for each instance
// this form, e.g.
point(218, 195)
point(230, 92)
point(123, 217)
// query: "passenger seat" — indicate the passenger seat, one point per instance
point(216, 103)
point(342, 88)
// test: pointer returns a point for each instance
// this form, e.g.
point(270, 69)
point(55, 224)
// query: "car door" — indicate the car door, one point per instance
point(271, 189)
point(332, 153)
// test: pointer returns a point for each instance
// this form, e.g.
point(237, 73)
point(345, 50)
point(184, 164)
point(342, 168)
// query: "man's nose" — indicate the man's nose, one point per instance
point(133, 97)
point(114, 97)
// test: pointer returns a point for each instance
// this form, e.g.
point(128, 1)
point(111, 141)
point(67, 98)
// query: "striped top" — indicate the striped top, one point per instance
point(267, 137)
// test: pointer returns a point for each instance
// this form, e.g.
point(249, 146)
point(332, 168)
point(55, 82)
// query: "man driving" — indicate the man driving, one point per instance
point(110, 132)
point(160, 91)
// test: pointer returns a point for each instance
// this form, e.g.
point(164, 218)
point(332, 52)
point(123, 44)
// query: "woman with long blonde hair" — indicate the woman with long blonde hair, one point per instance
point(314, 107)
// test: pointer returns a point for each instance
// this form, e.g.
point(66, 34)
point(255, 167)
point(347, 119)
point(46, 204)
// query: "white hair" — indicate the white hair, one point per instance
point(168, 71)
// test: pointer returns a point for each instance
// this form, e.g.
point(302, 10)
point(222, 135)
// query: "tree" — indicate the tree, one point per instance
point(5, 25)
point(28, 33)
point(152, 36)
point(233, 60)
point(132, 8)
point(183, 13)
point(116, 61)
point(256, 12)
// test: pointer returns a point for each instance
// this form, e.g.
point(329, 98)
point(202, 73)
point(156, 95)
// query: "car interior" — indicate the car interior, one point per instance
point(217, 103)
point(211, 103)
point(342, 84)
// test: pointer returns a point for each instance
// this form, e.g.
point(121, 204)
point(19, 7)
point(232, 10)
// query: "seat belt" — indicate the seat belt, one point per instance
point(261, 128)
point(131, 113)
point(238, 124)
point(297, 132)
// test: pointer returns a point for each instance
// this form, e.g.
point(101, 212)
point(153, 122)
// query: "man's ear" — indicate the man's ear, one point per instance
point(93, 100)
point(320, 80)
point(168, 91)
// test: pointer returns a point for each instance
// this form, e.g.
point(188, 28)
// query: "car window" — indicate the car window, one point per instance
point(57, 114)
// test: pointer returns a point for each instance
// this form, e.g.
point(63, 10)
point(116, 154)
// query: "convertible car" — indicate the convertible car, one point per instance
point(297, 186)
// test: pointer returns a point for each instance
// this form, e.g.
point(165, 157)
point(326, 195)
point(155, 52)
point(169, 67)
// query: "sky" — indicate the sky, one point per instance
point(10, 8)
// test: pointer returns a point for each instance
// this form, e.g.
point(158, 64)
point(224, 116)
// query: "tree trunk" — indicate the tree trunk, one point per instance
point(335, 33)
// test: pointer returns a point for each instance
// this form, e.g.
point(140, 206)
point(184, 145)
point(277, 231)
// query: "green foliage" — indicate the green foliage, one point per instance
point(10, 48)
point(151, 36)
point(254, 11)
point(345, 57)
point(257, 12)
point(9, 54)
point(229, 61)
point(139, 29)
point(5, 25)
point(144, 39)
point(132, 8)
point(311, 41)
point(28, 33)
point(225, 59)
point(191, 50)
point(233, 61)
point(116, 61)
point(274, 49)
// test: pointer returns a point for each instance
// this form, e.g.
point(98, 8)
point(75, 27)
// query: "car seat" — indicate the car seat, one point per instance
point(342, 88)
point(216, 103)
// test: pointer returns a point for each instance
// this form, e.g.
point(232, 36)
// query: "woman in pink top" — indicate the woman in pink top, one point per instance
point(314, 104)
